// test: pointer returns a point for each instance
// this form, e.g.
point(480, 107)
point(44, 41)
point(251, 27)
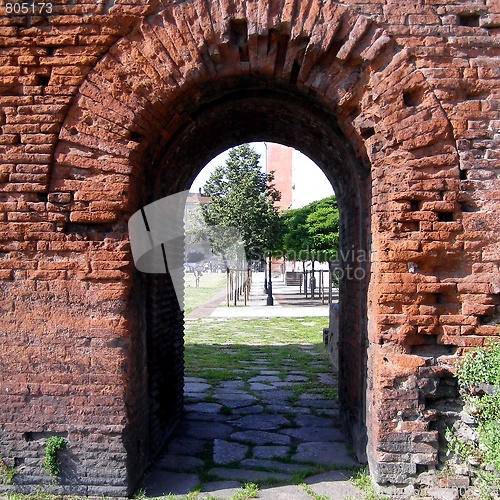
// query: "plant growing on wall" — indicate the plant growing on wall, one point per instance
point(51, 462)
point(478, 374)
point(6, 473)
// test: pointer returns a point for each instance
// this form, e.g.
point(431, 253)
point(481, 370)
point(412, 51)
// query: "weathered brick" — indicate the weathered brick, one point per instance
point(89, 111)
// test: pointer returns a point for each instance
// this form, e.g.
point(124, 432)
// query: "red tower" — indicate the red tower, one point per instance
point(279, 161)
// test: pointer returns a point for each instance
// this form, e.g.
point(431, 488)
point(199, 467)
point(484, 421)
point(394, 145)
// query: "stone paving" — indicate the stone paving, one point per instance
point(257, 430)
point(288, 302)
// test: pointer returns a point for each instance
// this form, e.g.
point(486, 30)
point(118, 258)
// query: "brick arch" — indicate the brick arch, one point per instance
point(351, 94)
point(151, 81)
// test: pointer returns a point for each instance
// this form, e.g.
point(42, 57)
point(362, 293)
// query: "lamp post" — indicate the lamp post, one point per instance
point(270, 300)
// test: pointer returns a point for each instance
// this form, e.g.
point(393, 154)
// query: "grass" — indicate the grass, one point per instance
point(246, 492)
point(363, 481)
point(221, 350)
point(311, 493)
point(41, 495)
point(210, 285)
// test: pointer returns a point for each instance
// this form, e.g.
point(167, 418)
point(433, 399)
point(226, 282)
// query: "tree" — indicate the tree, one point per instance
point(242, 197)
point(312, 232)
point(323, 223)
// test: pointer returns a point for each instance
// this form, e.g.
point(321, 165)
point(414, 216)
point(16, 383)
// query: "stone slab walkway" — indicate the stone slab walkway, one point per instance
point(267, 428)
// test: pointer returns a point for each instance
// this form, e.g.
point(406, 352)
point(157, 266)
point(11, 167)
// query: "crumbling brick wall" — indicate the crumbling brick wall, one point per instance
point(107, 106)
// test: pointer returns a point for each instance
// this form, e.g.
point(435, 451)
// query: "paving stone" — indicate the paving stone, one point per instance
point(237, 402)
point(253, 463)
point(195, 379)
point(257, 386)
point(284, 493)
point(205, 430)
point(307, 396)
point(287, 408)
point(249, 475)
point(280, 385)
point(232, 393)
point(179, 463)
point(262, 422)
point(196, 387)
point(324, 453)
point(226, 452)
point(334, 484)
point(220, 489)
point(296, 378)
point(207, 417)
point(204, 407)
point(264, 378)
point(313, 421)
point(327, 379)
point(328, 412)
point(261, 437)
point(248, 410)
point(235, 384)
point(315, 434)
point(317, 403)
point(158, 483)
point(277, 394)
point(270, 372)
point(194, 397)
point(271, 451)
point(186, 446)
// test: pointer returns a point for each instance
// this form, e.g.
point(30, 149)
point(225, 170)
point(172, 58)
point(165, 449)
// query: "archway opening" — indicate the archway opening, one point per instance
point(247, 115)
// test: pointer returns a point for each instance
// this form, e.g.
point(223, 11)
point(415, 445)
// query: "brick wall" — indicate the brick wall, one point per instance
point(105, 107)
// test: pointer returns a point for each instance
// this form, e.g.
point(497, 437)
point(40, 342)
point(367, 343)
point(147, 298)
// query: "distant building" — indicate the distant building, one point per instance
point(280, 161)
point(299, 180)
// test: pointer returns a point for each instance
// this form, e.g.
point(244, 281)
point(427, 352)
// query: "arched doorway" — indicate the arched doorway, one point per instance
point(167, 98)
point(272, 117)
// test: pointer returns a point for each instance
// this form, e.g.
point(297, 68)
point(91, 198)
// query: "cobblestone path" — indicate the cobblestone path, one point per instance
point(260, 408)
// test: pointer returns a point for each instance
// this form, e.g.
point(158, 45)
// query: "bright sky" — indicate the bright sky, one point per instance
point(309, 181)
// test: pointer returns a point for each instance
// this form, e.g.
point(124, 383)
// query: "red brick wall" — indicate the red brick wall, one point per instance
point(104, 108)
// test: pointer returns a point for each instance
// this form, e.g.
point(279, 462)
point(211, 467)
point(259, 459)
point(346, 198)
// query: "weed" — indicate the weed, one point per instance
point(363, 481)
point(312, 493)
point(140, 494)
point(6, 473)
point(40, 494)
point(51, 462)
point(225, 410)
point(480, 367)
point(249, 490)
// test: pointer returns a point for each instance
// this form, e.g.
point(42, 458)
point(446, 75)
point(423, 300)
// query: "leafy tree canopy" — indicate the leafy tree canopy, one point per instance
point(242, 197)
point(312, 232)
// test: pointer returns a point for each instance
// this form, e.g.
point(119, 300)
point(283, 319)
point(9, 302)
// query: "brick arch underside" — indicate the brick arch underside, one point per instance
point(356, 104)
